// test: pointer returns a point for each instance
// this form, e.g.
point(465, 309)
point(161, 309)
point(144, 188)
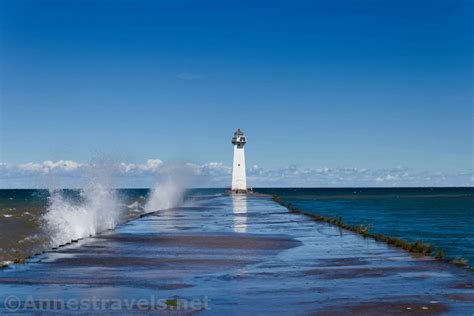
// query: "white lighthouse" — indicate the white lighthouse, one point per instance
point(239, 179)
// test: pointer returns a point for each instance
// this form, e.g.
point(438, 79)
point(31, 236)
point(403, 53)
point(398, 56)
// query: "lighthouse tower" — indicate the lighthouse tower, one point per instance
point(239, 179)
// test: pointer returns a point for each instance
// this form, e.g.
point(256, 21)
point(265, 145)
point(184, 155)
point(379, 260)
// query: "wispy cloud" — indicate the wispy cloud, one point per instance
point(217, 174)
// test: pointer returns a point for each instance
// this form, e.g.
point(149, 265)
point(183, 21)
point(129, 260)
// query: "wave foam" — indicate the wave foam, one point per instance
point(68, 220)
point(100, 209)
point(166, 194)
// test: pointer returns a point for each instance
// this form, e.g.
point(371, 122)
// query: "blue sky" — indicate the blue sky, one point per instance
point(341, 85)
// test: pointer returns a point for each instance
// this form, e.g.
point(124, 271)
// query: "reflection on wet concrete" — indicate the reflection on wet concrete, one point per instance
point(239, 203)
point(247, 255)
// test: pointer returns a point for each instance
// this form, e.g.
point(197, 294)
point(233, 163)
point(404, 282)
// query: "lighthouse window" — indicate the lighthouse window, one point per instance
point(239, 164)
point(243, 139)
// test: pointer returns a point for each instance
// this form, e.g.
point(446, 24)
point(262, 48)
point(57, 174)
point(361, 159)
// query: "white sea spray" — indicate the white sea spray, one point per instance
point(169, 189)
point(98, 209)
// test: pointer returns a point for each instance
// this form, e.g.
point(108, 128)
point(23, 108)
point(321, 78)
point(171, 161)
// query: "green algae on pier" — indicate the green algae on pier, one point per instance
point(416, 247)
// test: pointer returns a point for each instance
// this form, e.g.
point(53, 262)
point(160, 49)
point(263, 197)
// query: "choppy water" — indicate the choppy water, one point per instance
point(32, 221)
point(442, 217)
point(35, 220)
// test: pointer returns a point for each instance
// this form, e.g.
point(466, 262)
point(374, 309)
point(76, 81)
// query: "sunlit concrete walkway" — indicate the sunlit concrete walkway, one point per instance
point(234, 255)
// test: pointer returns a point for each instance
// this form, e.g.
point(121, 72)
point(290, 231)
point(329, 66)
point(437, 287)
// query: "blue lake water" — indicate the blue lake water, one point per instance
point(442, 217)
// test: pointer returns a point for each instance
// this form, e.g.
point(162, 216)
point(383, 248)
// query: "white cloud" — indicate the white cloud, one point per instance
point(49, 166)
point(30, 166)
point(214, 165)
point(214, 169)
point(217, 174)
point(127, 167)
point(151, 165)
point(388, 177)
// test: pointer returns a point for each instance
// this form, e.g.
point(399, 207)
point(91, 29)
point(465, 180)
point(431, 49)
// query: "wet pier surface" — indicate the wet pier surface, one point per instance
point(234, 255)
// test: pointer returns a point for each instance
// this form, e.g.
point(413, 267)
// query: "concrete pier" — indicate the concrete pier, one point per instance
point(234, 255)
